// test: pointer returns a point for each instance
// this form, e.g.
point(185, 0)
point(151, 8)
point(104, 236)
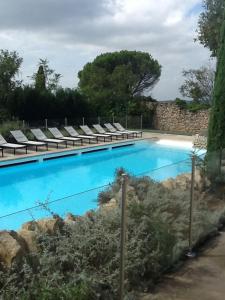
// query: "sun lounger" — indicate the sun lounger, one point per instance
point(113, 129)
point(88, 131)
point(73, 133)
point(40, 136)
point(121, 128)
point(20, 137)
point(4, 144)
point(101, 130)
point(58, 135)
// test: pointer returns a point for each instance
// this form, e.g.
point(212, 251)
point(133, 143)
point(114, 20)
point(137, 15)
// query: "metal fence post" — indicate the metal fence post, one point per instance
point(141, 122)
point(123, 236)
point(190, 253)
point(126, 121)
point(23, 124)
point(66, 121)
point(99, 120)
point(46, 124)
point(83, 121)
point(113, 121)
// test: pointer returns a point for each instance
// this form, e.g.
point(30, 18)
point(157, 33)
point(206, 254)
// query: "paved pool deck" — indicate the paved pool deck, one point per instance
point(201, 278)
point(9, 156)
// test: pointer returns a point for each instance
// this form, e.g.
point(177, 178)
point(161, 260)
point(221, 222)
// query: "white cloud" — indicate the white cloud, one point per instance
point(72, 32)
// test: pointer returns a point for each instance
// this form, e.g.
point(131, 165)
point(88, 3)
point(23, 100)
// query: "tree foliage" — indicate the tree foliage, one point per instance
point(10, 63)
point(216, 139)
point(114, 79)
point(40, 80)
point(198, 84)
point(45, 73)
point(209, 24)
point(28, 103)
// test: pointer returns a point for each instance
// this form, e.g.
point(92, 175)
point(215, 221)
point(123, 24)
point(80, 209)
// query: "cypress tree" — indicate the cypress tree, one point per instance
point(40, 79)
point(216, 136)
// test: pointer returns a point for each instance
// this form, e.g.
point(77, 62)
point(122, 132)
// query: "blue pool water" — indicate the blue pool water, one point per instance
point(26, 186)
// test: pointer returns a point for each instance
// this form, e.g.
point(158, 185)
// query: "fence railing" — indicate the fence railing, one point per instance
point(186, 196)
point(135, 122)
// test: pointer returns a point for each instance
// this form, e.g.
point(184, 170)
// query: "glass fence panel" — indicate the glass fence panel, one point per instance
point(77, 204)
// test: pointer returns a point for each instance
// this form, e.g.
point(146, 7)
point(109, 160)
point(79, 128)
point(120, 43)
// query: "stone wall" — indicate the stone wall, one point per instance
point(170, 117)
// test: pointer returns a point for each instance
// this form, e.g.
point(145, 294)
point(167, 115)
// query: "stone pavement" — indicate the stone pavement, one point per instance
point(202, 278)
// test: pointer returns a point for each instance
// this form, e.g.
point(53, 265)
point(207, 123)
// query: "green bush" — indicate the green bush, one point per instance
point(181, 103)
point(191, 105)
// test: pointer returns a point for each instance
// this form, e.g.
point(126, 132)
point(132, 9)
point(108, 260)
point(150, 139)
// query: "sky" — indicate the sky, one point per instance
point(70, 33)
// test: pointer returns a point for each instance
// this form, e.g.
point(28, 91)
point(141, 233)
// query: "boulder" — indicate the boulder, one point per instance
point(31, 226)
point(50, 225)
point(12, 247)
point(71, 219)
point(110, 205)
point(30, 237)
point(169, 184)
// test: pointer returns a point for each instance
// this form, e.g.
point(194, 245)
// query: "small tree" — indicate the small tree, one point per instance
point(198, 84)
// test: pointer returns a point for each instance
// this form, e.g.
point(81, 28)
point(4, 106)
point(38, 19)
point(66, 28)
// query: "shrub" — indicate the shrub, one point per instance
point(181, 103)
point(191, 105)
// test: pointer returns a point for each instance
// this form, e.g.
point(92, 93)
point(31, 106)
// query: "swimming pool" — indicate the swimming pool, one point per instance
point(25, 186)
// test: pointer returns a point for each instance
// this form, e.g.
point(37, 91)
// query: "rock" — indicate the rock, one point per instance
point(71, 219)
point(169, 184)
point(183, 181)
point(50, 225)
point(30, 238)
point(12, 247)
point(31, 226)
point(180, 182)
point(110, 205)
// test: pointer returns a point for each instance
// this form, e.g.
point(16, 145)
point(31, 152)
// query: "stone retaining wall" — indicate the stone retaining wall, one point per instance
point(170, 117)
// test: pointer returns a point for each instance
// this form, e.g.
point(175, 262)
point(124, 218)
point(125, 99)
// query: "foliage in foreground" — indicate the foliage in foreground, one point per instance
point(82, 260)
point(216, 138)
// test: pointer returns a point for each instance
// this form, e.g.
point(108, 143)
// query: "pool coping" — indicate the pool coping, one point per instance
point(72, 151)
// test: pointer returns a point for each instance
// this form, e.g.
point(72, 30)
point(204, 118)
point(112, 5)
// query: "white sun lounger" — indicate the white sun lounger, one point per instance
point(4, 144)
point(121, 128)
point(88, 131)
point(20, 137)
point(73, 133)
point(113, 129)
point(40, 136)
point(101, 130)
point(58, 135)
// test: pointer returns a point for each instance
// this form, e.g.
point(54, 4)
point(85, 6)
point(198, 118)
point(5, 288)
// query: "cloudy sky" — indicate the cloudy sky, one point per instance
point(70, 33)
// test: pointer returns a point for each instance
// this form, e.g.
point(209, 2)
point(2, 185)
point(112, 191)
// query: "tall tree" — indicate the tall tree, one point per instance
point(209, 24)
point(113, 79)
point(40, 80)
point(10, 63)
point(198, 84)
point(51, 77)
point(216, 137)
